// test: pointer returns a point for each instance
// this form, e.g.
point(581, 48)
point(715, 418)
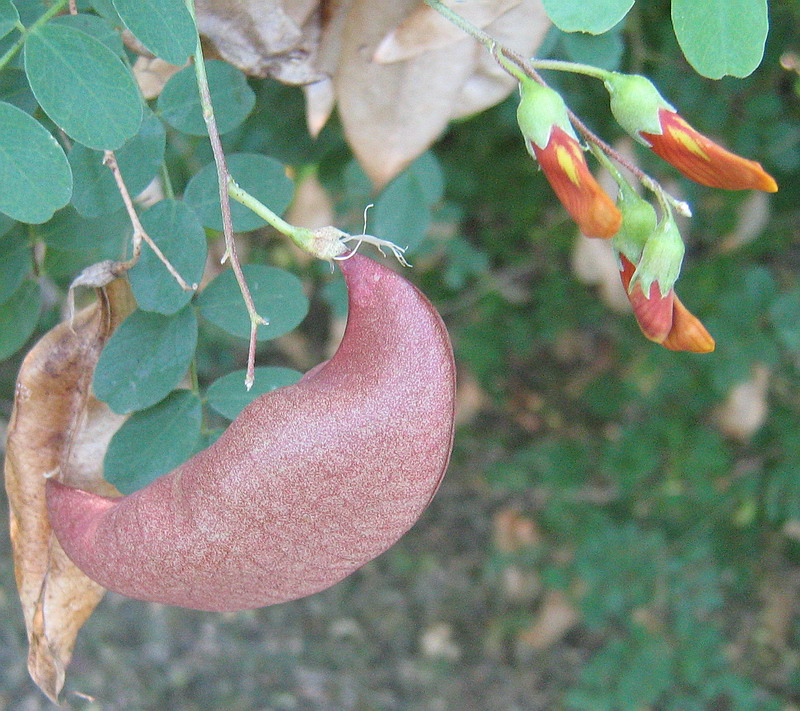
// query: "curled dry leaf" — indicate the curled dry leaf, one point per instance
point(556, 617)
point(522, 29)
point(57, 427)
point(391, 113)
point(425, 29)
point(152, 74)
point(265, 38)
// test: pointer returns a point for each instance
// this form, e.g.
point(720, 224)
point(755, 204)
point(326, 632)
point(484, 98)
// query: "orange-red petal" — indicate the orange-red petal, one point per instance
point(704, 161)
point(688, 333)
point(564, 165)
point(654, 314)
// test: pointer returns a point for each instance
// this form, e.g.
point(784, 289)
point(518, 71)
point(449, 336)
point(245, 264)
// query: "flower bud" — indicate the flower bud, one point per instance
point(540, 108)
point(635, 103)
point(551, 140)
point(651, 120)
point(661, 258)
point(639, 222)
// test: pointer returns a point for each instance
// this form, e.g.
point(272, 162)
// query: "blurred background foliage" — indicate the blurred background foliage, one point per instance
point(620, 526)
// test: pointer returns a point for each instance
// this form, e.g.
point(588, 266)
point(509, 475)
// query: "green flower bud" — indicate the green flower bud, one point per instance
point(639, 222)
point(540, 108)
point(661, 259)
point(635, 103)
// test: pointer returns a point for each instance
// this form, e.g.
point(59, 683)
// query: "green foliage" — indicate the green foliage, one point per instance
point(228, 395)
point(232, 98)
point(178, 234)
point(95, 192)
point(70, 232)
point(165, 27)
point(18, 316)
point(97, 27)
point(624, 676)
point(8, 17)
point(14, 90)
point(721, 37)
point(145, 358)
point(34, 174)
point(82, 86)
point(594, 17)
point(276, 293)
point(403, 209)
point(171, 430)
point(15, 264)
point(264, 178)
point(604, 50)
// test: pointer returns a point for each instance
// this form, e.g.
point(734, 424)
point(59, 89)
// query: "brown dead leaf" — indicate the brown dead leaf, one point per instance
point(267, 38)
point(58, 429)
point(746, 407)
point(391, 113)
point(425, 29)
point(522, 28)
point(152, 74)
point(513, 531)
point(311, 206)
point(320, 100)
point(556, 617)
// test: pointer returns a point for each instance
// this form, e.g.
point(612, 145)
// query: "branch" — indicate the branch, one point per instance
point(223, 178)
point(139, 233)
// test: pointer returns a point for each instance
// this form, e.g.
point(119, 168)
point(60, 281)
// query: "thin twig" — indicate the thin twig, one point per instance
point(139, 233)
point(223, 177)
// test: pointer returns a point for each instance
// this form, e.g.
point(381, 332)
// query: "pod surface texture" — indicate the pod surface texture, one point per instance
point(309, 483)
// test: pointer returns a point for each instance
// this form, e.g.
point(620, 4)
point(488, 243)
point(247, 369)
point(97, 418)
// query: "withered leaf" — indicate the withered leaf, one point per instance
point(398, 71)
point(58, 429)
point(391, 113)
point(425, 29)
point(522, 29)
point(275, 38)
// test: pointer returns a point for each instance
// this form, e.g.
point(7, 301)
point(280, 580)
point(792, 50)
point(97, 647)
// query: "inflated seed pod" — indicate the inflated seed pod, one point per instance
point(309, 483)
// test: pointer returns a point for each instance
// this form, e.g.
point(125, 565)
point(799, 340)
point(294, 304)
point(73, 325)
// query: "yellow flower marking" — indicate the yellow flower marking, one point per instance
point(688, 142)
point(568, 165)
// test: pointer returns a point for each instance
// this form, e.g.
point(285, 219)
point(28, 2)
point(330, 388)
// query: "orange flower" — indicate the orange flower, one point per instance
point(687, 333)
point(702, 160)
point(565, 167)
point(664, 319)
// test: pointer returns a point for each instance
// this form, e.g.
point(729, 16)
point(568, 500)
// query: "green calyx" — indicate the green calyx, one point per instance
point(540, 108)
point(635, 103)
point(661, 258)
point(639, 222)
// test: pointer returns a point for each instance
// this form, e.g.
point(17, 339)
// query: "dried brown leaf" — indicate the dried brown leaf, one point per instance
point(268, 38)
point(152, 74)
point(746, 407)
point(391, 113)
point(320, 100)
point(58, 428)
point(522, 29)
point(556, 617)
point(425, 29)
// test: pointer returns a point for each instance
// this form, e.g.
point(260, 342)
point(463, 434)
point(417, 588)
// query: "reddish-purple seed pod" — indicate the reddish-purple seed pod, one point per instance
point(309, 483)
